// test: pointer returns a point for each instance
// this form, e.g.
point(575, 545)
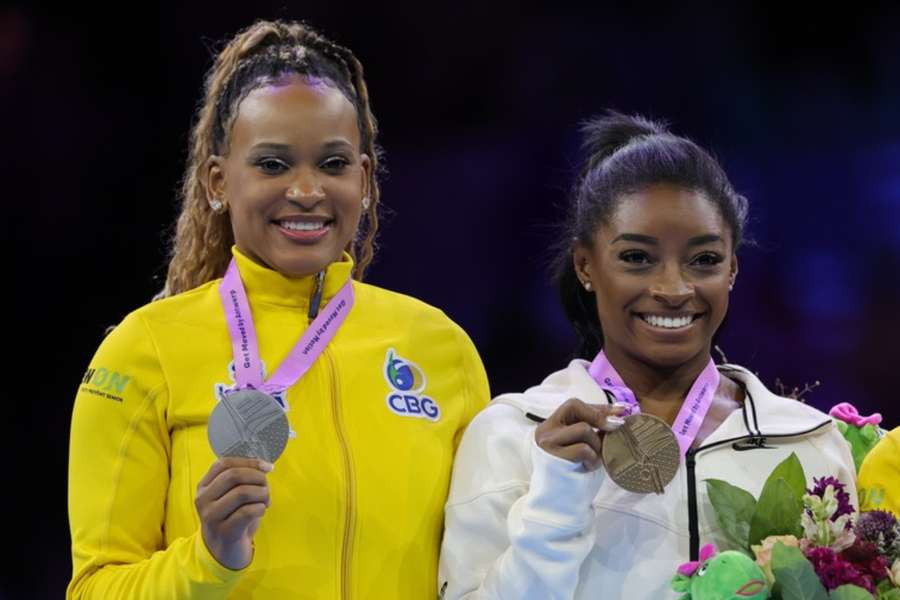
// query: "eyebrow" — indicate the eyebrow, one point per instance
point(274, 147)
point(270, 146)
point(339, 143)
point(652, 241)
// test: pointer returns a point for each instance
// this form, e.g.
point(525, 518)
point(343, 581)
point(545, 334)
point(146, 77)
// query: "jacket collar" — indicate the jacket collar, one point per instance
point(267, 286)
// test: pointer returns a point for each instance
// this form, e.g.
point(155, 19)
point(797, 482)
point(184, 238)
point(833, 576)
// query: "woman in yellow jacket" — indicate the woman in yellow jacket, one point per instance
point(280, 199)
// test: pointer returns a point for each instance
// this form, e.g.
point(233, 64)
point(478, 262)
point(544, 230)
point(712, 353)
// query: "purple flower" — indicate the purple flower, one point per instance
point(842, 497)
point(866, 558)
point(880, 528)
point(835, 571)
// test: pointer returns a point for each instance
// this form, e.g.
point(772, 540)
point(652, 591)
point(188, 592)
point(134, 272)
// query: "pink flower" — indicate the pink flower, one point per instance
point(763, 553)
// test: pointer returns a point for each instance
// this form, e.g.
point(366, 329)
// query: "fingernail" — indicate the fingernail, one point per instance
point(266, 466)
point(617, 421)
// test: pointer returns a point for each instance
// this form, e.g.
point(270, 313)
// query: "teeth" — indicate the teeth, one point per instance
point(667, 322)
point(302, 225)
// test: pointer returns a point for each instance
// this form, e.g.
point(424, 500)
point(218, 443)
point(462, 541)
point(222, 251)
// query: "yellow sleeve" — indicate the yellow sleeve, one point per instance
point(118, 479)
point(478, 392)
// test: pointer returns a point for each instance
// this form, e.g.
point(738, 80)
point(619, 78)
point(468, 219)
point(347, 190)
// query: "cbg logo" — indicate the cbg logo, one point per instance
point(408, 382)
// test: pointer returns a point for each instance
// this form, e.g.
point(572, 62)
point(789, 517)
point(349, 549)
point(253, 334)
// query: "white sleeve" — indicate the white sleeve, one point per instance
point(519, 521)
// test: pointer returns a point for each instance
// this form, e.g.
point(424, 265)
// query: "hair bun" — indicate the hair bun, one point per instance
point(604, 135)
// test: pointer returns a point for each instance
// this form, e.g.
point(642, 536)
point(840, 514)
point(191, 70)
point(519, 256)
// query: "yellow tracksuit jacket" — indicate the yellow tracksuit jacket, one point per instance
point(357, 497)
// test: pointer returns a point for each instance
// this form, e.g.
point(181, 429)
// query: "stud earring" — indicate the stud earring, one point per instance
point(587, 285)
point(216, 205)
point(365, 202)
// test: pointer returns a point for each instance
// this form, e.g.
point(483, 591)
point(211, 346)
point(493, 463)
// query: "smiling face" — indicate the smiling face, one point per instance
point(293, 178)
point(660, 270)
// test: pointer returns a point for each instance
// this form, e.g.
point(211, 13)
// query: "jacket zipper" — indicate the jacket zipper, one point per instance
point(350, 515)
point(744, 442)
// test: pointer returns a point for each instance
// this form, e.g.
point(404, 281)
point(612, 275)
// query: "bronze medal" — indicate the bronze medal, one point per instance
point(642, 456)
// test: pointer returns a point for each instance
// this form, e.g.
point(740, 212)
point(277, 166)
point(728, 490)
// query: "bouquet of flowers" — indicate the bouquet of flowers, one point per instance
point(801, 543)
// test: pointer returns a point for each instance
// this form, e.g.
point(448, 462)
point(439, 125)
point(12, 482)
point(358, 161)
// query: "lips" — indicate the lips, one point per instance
point(750, 589)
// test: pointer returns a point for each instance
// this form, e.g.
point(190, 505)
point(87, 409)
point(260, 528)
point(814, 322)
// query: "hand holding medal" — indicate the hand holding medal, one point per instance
point(641, 452)
point(572, 432)
point(231, 500)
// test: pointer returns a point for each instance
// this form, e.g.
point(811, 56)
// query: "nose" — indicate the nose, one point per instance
point(670, 288)
point(305, 190)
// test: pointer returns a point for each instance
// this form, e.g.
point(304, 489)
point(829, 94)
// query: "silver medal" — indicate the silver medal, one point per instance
point(250, 424)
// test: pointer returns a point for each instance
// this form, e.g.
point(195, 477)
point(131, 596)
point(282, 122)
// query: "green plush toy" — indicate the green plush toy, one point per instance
point(860, 432)
point(729, 575)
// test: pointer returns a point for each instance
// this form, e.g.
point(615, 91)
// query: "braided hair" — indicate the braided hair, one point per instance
point(201, 246)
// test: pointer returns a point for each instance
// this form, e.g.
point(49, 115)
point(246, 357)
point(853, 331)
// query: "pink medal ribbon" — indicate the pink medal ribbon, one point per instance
point(248, 371)
point(693, 409)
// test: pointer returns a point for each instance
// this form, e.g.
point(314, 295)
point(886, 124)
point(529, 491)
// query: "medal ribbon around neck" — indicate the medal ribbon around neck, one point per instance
point(245, 349)
point(693, 409)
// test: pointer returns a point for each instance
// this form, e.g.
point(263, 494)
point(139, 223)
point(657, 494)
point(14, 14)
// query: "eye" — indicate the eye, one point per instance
point(636, 258)
point(707, 259)
point(702, 571)
point(272, 166)
point(335, 163)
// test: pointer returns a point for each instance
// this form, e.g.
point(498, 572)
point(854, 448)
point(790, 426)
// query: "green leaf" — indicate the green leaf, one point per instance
point(886, 590)
point(795, 575)
point(734, 510)
point(791, 471)
point(777, 512)
point(850, 592)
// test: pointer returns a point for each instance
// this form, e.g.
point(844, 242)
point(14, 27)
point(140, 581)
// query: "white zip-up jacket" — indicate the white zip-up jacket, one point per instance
point(523, 524)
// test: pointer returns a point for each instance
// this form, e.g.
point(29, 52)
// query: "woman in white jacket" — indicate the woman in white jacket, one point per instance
point(533, 512)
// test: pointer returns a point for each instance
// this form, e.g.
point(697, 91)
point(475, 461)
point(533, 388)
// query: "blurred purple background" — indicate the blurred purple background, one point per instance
point(479, 105)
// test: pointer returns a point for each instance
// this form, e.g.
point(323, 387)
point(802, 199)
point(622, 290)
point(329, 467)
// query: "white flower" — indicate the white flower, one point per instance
point(817, 525)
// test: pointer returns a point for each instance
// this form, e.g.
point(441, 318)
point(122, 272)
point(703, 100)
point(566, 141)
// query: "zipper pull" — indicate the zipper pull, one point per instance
point(316, 298)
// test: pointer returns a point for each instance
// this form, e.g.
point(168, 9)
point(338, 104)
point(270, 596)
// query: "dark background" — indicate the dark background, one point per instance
point(479, 105)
